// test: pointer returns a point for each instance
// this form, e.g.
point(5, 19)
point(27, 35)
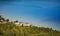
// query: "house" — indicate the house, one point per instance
point(22, 24)
point(16, 23)
point(3, 22)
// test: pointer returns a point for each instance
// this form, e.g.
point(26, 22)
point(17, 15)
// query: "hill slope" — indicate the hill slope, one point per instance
point(9, 29)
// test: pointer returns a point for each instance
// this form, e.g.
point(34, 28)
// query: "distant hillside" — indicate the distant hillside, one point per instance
point(10, 29)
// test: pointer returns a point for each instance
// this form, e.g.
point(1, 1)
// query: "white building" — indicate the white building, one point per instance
point(22, 24)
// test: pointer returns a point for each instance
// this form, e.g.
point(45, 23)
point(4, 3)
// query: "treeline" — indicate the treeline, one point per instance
point(10, 29)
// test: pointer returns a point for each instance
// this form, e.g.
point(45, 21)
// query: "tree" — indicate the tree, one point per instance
point(16, 21)
point(0, 16)
point(3, 19)
point(7, 20)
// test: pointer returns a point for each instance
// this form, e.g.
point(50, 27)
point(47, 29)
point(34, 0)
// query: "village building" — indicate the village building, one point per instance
point(22, 24)
point(3, 22)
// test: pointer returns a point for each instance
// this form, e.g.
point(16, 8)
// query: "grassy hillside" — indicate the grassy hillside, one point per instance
point(9, 29)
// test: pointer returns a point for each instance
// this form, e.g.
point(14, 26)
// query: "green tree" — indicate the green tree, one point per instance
point(7, 20)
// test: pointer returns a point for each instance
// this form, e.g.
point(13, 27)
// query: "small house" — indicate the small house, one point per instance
point(22, 24)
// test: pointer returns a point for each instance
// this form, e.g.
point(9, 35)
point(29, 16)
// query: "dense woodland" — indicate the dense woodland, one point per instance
point(10, 29)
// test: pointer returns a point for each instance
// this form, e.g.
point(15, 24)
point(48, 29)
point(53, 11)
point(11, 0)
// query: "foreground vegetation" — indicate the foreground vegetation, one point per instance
point(9, 29)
